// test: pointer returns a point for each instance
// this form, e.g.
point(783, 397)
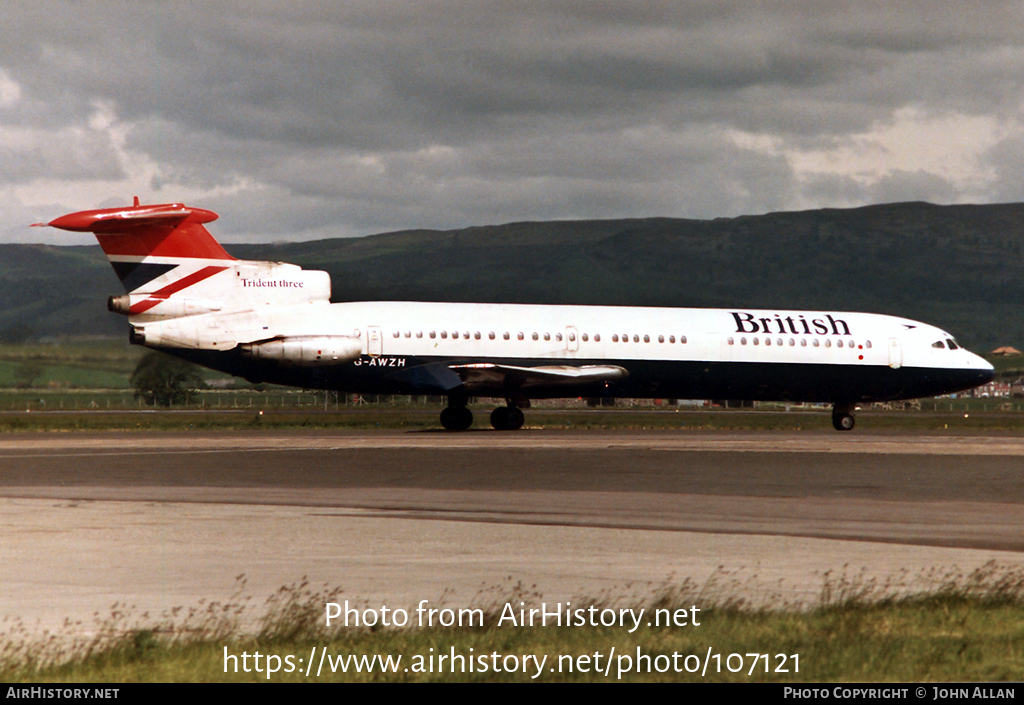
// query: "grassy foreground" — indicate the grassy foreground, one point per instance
point(91, 413)
point(963, 628)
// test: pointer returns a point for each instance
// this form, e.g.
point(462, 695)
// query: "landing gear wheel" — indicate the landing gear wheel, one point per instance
point(842, 420)
point(507, 418)
point(456, 418)
point(515, 418)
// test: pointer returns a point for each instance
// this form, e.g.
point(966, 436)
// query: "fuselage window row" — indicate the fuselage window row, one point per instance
point(625, 338)
point(585, 337)
point(803, 342)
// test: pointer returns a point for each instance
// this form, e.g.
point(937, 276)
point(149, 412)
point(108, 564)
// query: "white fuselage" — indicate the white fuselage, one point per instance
point(441, 348)
point(567, 333)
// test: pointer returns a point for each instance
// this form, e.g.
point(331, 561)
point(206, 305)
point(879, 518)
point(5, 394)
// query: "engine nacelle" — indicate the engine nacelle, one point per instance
point(160, 307)
point(309, 351)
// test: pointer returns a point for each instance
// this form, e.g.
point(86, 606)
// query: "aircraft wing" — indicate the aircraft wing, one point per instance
point(486, 376)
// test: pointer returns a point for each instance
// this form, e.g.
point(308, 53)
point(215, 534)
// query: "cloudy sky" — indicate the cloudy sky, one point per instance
point(299, 120)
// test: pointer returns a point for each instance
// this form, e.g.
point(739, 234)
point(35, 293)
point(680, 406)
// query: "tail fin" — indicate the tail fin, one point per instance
point(172, 267)
point(145, 242)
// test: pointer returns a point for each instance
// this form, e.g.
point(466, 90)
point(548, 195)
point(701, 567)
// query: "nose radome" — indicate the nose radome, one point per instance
point(987, 371)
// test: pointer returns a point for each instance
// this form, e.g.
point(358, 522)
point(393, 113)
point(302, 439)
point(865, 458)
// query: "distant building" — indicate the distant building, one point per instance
point(1005, 350)
point(993, 389)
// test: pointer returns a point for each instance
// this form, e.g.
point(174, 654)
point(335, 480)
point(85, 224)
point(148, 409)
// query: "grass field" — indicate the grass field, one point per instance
point(117, 411)
point(966, 628)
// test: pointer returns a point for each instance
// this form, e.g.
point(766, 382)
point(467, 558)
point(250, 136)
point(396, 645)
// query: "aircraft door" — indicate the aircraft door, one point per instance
point(572, 339)
point(374, 341)
point(895, 353)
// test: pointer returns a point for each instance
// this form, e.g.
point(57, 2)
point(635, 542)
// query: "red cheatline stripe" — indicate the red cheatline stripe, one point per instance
point(158, 296)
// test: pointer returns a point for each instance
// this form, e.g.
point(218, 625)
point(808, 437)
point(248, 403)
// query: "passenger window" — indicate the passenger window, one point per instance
point(757, 341)
point(572, 337)
point(585, 337)
point(816, 343)
point(535, 336)
point(867, 344)
point(615, 337)
point(477, 335)
point(828, 343)
point(455, 335)
point(444, 335)
point(547, 336)
point(597, 337)
point(419, 334)
point(671, 339)
point(661, 339)
point(803, 342)
point(397, 334)
point(520, 336)
point(767, 341)
point(433, 334)
point(778, 341)
point(743, 341)
point(792, 342)
point(839, 344)
point(730, 341)
point(491, 335)
point(505, 335)
point(647, 338)
point(682, 339)
point(636, 338)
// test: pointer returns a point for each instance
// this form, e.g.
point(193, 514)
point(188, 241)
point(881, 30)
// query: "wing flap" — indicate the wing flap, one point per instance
point(486, 375)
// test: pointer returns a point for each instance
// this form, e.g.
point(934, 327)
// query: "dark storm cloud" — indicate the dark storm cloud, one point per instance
point(364, 116)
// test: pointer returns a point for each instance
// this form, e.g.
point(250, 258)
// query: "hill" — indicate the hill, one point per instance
point(958, 267)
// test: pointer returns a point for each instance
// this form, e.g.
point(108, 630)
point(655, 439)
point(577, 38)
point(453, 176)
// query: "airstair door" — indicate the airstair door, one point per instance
point(895, 353)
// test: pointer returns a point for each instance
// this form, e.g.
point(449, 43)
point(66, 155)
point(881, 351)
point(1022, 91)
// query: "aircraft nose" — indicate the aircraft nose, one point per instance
point(986, 371)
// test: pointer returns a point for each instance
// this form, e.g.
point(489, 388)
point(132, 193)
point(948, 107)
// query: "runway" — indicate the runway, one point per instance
point(163, 520)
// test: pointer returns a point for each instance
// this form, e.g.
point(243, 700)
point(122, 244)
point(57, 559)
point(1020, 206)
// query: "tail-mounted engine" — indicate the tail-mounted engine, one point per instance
point(306, 351)
point(160, 307)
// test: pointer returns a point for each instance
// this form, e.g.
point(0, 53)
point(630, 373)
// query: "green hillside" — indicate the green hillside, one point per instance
point(959, 267)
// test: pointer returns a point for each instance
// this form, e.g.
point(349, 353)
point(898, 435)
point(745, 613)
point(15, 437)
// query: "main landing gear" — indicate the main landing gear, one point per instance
point(456, 417)
point(842, 417)
point(507, 418)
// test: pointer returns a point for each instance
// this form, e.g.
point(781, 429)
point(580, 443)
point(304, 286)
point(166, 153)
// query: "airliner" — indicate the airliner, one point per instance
point(274, 322)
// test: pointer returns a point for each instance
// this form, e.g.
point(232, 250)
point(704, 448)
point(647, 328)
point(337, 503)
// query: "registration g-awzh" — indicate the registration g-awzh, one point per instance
point(274, 322)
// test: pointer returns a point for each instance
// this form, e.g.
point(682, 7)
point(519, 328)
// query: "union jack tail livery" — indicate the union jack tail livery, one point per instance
point(171, 266)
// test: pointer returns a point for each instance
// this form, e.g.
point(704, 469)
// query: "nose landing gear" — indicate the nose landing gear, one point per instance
point(842, 417)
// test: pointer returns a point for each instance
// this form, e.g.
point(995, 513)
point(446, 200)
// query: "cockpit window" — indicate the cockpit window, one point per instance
point(952, 344)
point(939, 344)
